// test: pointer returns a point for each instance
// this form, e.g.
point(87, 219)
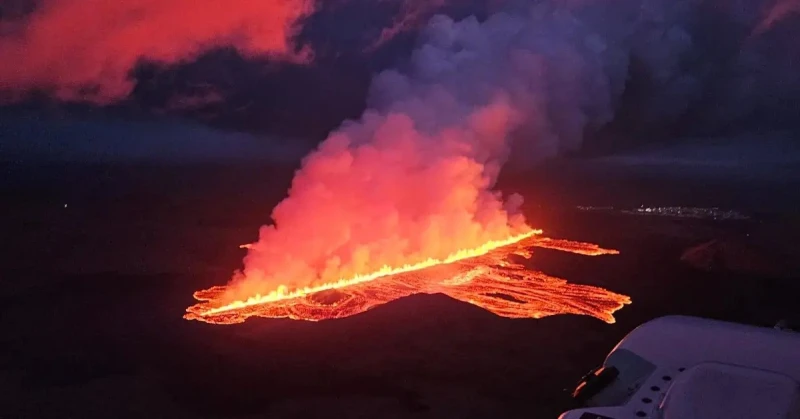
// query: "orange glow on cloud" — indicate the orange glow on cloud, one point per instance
point(780, 10)
point(85, 49)
point(413, 14)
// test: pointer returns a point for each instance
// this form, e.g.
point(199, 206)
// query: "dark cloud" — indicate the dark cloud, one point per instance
point(690, 65)
point(28, 138)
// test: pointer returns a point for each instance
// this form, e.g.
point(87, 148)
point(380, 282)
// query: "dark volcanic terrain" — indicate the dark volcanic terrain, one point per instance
point(99, 263)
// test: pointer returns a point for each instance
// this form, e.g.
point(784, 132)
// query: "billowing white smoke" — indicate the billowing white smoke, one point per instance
point(412, 178)
point(556, 74)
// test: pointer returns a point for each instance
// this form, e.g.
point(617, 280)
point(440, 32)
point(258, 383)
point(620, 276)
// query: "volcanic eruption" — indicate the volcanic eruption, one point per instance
point(401, 201)
point(487, 277)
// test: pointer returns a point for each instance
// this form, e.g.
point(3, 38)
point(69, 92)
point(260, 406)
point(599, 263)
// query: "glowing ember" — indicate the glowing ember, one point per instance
point(487, 276)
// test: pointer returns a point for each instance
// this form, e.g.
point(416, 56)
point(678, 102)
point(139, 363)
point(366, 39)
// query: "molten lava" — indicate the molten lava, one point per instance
point(488, 277)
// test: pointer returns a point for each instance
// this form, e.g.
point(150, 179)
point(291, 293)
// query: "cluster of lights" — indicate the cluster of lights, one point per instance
point(682, 212)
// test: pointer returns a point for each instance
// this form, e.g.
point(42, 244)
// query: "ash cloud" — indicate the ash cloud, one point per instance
point(413, 177)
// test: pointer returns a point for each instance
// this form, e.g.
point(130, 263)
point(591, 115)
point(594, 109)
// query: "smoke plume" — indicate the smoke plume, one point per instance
point(86, 49)
point(413, 177)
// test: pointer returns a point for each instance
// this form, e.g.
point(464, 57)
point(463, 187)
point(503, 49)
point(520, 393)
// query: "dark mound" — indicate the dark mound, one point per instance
point(328, 297)
point(767, 250)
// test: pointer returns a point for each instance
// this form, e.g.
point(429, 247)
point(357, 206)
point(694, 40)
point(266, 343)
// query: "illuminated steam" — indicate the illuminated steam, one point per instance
point(412, 178)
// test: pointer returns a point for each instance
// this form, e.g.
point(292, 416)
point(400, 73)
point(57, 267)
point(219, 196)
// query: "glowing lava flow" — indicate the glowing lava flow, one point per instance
point(487, 277)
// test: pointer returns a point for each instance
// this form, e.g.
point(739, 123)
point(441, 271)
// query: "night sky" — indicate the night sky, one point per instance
point(294, 70)
point(207, 79)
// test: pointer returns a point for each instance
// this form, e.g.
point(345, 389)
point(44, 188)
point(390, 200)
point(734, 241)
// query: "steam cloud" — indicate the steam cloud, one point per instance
point(86, 49)
point(413, 177)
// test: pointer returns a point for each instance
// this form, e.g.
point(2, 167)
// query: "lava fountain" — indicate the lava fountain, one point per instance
point(488, 277)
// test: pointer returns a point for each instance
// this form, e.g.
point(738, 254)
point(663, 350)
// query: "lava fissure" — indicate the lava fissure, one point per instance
point(476, 276)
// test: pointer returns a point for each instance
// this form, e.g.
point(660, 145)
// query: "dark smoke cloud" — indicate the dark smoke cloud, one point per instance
point(412, 15)
point(776, 12)
point(763, 79)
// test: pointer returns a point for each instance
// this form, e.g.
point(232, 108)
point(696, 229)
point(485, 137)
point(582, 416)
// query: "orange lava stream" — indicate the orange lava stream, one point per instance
point(282, 293)
point(489, 277)
point(587, 249)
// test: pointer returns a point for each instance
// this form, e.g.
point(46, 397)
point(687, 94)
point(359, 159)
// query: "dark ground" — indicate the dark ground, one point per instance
point(92, 295)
